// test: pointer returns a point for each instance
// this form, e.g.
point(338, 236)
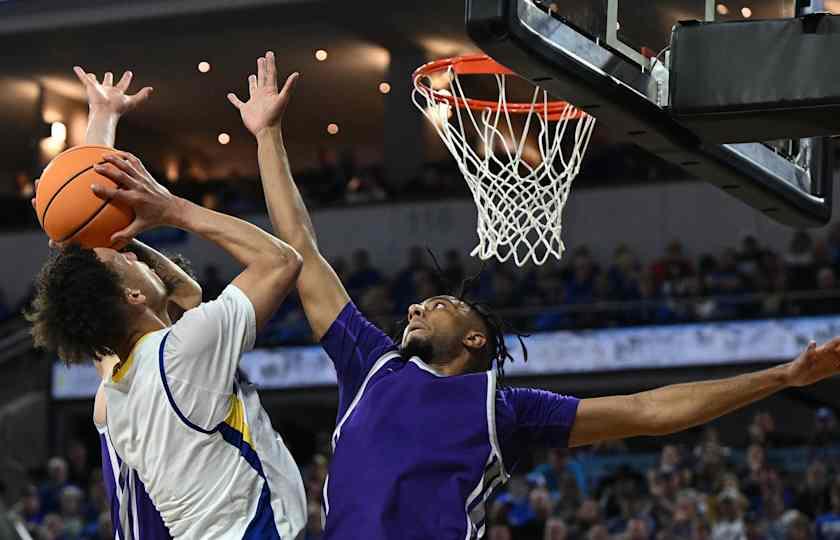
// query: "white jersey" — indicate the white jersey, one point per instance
point(200, 440)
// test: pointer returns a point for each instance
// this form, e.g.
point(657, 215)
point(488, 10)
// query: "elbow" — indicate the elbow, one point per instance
point(288, 262)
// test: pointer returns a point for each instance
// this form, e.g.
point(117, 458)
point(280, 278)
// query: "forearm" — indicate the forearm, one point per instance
point(243, 241)
point(286, 209)
point(681, 406)
point(102, 127)
point(182, 288)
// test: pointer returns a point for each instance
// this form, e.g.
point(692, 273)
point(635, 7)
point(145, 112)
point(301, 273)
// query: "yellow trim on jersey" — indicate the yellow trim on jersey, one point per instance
point(122, 367)
point(236, 419)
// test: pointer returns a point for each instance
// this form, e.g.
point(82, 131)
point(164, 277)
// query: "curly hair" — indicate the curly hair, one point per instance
point(78, 309)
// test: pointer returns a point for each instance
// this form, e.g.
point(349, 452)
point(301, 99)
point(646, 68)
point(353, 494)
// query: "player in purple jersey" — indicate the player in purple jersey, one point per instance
point(424, 434)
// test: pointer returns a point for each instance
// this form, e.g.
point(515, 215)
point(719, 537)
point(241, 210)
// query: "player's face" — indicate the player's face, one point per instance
point(135, 274)
point(435, 326)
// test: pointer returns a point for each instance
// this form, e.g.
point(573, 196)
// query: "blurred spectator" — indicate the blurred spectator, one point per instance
point(28, 507)
point(624, 275)
point(453, 269)
point(79, 469)
point(729, 524)
point(827, 526)
point(500, 532)
point(50, 491)
point(826, 430)
point(333, 177)
point(363, 275)
point(71, 500)
point(364, 188)
point(812, 498)
point(212, 284)
point(403, 288)
point(749, 261)
point(828, 300)
point(670, 269)
point(799, 260)
point(797, 526)
point(555, 529)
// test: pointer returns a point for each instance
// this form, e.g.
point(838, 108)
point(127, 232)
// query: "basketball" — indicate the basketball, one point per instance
point(67, 209)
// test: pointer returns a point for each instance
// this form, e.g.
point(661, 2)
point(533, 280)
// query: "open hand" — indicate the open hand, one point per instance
point(265, 105)
point(108, 97)
point(815, 363)
point(152, 203)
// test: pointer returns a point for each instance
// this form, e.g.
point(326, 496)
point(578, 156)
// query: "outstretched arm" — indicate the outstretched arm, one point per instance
point(682, 406)
point(107, 102)
point(322, 294)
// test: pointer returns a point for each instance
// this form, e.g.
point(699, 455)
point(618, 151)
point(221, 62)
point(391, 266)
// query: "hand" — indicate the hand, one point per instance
point(152, 203)
point(815, 364)
point(265, 105)
point(108, 98)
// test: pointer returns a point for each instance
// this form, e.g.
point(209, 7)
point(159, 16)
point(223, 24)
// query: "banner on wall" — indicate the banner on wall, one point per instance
point(549, 353)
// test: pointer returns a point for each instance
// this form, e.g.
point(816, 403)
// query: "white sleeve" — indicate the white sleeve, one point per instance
point(202, 354)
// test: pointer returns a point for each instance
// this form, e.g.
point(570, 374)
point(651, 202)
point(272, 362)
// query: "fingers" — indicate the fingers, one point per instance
point(125, 81)
point(82, 76)
point(140, 96)
point(270, 70)
point(290, 83)
point(127, 163)
point(235, 100)
point(262, 78)
point(108, 79)
point(252, 85)
point(108, 193)
point(117, 173)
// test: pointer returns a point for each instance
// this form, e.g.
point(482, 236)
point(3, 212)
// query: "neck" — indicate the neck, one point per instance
point(461, 364)
point(147, 322)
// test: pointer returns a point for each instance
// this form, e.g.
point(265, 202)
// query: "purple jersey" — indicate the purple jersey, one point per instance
point(416, 454)
point(127, 497)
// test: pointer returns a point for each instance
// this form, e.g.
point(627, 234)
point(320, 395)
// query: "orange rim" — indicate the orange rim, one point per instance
point(481, 64)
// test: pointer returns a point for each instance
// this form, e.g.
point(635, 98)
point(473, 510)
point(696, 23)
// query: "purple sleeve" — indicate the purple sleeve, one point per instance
point(354, 345)
point(526, 417)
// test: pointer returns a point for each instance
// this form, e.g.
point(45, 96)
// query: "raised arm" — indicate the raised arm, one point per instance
point(682, 406)
point(271, 266)
point(322, 294)
point(107, 102)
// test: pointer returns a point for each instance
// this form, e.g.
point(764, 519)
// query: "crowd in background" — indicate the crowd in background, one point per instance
point(769, 486)
point(744, 282)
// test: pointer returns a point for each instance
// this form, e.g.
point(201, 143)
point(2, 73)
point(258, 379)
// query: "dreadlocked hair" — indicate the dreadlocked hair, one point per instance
point(78, 307)
point(497, 327)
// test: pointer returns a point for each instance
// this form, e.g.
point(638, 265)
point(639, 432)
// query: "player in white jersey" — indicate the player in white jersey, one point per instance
point(197, 437)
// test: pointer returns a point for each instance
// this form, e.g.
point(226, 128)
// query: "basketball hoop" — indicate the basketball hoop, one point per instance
point(520, 204)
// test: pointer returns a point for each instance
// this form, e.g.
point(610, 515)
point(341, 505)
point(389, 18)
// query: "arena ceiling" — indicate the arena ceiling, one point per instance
point(164, 40)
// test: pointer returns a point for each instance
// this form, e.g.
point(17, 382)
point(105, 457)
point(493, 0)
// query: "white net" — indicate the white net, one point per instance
point(519, 170)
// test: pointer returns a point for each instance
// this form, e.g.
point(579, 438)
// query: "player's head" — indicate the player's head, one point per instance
point(444, 328)
point(88, 302)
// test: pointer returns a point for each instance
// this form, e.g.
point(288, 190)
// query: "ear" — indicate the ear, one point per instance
point(134, 297)
point(474, 340)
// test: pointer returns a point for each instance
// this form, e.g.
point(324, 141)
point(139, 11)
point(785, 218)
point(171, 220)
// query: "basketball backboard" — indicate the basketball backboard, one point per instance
point(610, 58)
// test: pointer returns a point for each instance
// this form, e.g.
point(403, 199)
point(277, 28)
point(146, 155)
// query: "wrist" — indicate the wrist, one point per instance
point(179, 213)
point(270, 134)
point(102, 112)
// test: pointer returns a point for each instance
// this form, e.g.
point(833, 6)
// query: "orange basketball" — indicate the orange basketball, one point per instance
point(67, 208)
